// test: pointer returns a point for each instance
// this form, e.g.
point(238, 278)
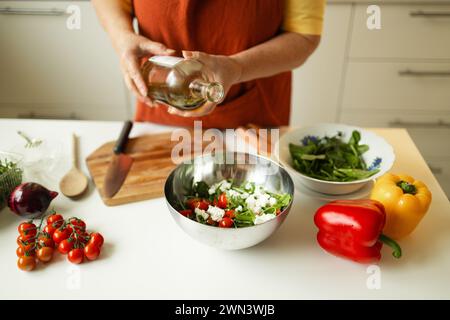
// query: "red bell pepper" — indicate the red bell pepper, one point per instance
point(352, 229)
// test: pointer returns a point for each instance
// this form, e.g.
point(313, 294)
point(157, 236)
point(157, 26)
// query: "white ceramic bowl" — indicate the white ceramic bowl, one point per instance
point(378, 148)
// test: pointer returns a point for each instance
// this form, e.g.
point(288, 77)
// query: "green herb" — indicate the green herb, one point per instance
point(10, 177)
point(331, 159)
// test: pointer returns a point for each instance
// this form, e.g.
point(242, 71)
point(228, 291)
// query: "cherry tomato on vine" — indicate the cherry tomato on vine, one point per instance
point(56, 220)
point(96, 239)
point(76, 256)
point(226, 223)
point(26, 263)
point(29, 249)
point(20, 252)
point(65, 246)
point(222, 201)
point(46, 240)
point(83, 237)
point(23, 240)
point(78, 224)
point(27, 228)
point(91, 251)
point(61, 234)
point(49, 229)
point(45, 254)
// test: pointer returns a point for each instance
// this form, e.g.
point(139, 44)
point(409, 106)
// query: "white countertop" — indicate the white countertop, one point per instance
point(146, 255)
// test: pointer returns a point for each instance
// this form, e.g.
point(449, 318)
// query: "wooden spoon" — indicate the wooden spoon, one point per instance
point(74, 183)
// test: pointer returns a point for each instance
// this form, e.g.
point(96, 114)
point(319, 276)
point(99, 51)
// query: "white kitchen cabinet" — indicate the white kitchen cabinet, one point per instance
point(49, 71)
point(317, 84)
point(405, 85)
point(407, 32)
point(430, 132)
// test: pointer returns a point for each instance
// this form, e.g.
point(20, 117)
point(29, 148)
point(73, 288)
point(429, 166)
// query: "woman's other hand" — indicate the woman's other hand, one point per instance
point(226, 71)
point(131, 49)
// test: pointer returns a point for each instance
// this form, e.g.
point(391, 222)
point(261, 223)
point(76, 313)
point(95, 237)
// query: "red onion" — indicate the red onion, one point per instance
point(30, 200)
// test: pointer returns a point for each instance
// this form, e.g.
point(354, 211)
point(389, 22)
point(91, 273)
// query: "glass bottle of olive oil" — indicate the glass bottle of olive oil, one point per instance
point(185, 84)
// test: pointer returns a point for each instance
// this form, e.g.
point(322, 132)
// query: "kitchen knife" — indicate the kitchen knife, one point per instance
point(120, 164)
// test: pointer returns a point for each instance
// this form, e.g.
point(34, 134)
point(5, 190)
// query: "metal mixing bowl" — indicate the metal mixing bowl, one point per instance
point(237, 166)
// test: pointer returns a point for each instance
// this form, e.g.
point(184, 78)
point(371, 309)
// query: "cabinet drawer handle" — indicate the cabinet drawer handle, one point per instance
point(415, 73)
point(411, 124)
point(430, 14)
point(33, 12)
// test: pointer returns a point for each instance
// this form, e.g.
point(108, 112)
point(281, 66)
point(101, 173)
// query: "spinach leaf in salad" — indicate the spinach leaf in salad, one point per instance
point(332, 159)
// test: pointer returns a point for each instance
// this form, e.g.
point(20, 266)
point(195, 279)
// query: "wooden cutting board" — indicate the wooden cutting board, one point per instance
point(151, 167)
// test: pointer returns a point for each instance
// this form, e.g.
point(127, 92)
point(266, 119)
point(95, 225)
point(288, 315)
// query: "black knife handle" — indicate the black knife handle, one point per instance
point(123, 138)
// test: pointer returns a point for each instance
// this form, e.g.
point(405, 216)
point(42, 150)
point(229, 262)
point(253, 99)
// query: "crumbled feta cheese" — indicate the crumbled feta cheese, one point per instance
point(248, 186)
point(244, 195)
point(262, 200)
point(263, 218)
point(233, 193)
point(225, 185)
point(238, 209)
point(216, 213)
point(252, 204)
point(201, 213)
point(272, 201)
point(212, 189)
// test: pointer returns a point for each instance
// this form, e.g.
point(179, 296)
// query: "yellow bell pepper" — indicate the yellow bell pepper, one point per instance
point(406, 201)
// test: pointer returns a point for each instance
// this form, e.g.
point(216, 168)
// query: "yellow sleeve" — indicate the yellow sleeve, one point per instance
point(304, 16)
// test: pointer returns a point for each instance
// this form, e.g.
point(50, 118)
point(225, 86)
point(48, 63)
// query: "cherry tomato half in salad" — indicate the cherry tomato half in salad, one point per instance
point(91, 251)
point(222, 201)
point(56, 220)
point(61, 234)
point(186, 213)
point(96, 239)
point(226, 223)
point(27, 228)
point(198, 203)
point(230, 214)
point(211, 222)
point(26, 263)
point(76, 256)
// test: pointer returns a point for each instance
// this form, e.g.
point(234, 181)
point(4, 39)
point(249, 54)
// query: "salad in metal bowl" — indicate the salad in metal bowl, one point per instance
point(227, 205)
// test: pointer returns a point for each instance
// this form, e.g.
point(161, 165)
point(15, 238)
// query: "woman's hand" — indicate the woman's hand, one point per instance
point(226, 71)
point(131, 49)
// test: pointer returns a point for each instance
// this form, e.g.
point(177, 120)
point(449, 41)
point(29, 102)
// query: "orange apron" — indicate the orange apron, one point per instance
point(222, 27)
